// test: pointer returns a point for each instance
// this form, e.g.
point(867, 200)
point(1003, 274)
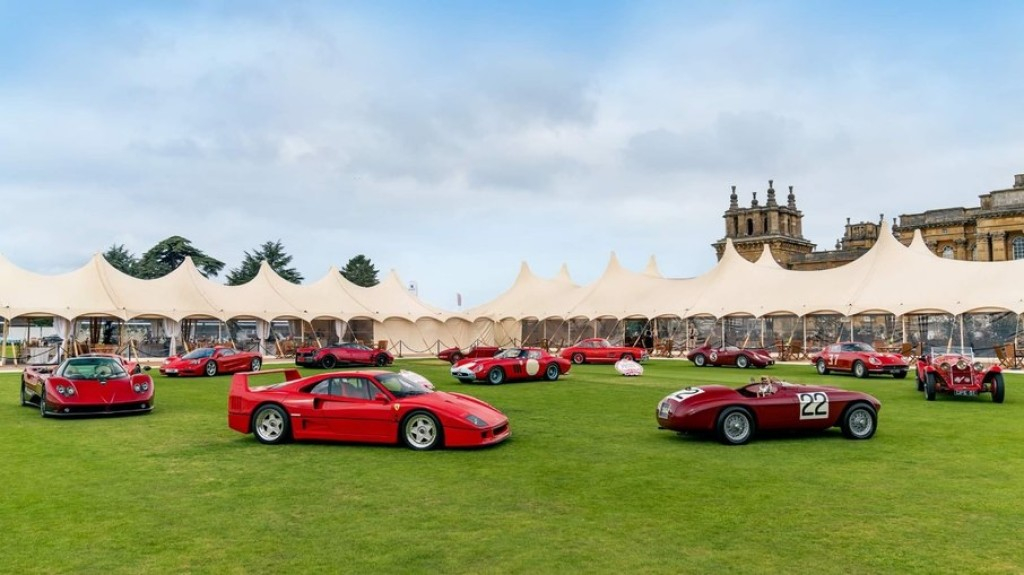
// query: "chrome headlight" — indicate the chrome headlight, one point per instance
point(944, 366)
point(137, 387)
point(476, 421)
point(145, 387)
point(874, 360)
point(664, 409)
point(60, 389)
point(961, 364)
point(978, 366)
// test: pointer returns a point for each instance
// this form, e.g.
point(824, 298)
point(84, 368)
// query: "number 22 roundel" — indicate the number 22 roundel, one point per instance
point(813, 405)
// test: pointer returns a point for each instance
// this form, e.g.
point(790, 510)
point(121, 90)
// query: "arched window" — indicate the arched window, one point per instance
point(947, 252)
point(764, 225)
point(1018, 247)
point(750, 226)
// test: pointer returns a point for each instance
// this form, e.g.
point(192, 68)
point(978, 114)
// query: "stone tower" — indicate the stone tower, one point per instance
point(779, 226)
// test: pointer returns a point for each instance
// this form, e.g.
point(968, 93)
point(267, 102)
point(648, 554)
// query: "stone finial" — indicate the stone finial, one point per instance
point(1018, 181)
point(771, 198)
point(733, 200)
point(753, 203)
point(847, 221)
point(881, 218)
point(792, 198)
point(839, 245)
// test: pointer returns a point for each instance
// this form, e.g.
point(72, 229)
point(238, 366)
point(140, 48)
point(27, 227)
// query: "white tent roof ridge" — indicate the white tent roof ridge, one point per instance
point(652, 268)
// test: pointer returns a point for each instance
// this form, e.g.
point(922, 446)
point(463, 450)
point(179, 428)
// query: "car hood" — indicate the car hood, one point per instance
point(457, 405)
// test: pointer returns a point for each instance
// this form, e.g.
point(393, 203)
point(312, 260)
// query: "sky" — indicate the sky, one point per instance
point(452, 140)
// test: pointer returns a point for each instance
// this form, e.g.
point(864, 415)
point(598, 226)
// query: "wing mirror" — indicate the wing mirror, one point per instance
point(381, 398)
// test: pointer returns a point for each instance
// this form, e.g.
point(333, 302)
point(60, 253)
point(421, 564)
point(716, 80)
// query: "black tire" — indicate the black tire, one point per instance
point(929, 387)
point(742, 361)
point(255, 364)
point(628, 356)
point(381, 360)
point(902, 374)
point(421, 431)
point(466, 380)
point(496, 376)
point(42, 403)
point(859, 421)
point(998, 388)
point(328, 361)
point(821, 366)
point(735, 426)
point(552, 372)
point(919, 376)
point(24, 396)
point(859, 369)
point(270, 424)
point(455, 358)
point(578, 358)
point(210, 369)
point(699, 360)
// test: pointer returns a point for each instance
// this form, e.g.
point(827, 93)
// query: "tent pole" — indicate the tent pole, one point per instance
point(3, 346)
point(961, 330)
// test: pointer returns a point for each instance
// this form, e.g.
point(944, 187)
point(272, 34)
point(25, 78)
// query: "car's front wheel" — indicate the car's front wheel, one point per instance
point(998, 388)
point(578, 358)
point(735, 426)
point(699, 360)
point(255, 364)
point(328, 361)
point(496, 376)
point(919, 376)
point(901, 374)
point(742, 362)
point(421, 431)
point(551, 373)
point(381, 360)
point(822, 369)
point(210, 369)
point(628, 357)
point(24, 394)
point(859, 421)
point(859, 369)
point(929, 387)
point(270, 424)
point(455, 358)
point(42, 403)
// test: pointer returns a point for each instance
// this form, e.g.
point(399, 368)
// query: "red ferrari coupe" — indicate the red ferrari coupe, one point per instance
point(600, 350)
point(210, 361)
point(708, 354)
point(860, 359)
point(953, 371)
point(513, 364)
point(734, 415)
point(455, 354)
point(348, 353)
point(87, 385)
point(371, 406)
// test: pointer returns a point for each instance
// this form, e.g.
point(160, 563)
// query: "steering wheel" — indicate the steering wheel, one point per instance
point(103, 371)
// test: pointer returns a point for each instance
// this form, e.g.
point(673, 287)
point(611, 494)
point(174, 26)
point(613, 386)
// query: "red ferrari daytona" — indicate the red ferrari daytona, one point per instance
point(372, 406)
point(860, 359)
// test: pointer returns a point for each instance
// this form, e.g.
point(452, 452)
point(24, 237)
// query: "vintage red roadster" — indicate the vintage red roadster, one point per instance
point(372, 406)
point(210, 361)
point(954, 371)
point(455, 354)
point(87, 385)
point(741, 357)
point(345, 353)
point(513, 364)
point(735, 415)
point(600, 350)
point(860, 359)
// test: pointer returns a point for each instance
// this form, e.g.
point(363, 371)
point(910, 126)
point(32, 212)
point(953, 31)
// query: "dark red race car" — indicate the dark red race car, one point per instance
point(455, 354)
point(87, 385)
point(860, 359)
point(210, 361)
point(513, 364)
point(954, 371)
point(741, 357)
point(600, 350)
point(734, 415)
point(347, 353)
point(372, 406)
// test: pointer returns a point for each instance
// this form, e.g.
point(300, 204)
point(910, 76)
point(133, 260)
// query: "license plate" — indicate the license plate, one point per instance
point(172, 371)
point(965, 392)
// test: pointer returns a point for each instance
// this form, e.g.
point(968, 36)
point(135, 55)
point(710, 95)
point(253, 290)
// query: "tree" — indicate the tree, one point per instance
point(122, 259)
point(273, 253)
point(166, 256)
point(360, 271)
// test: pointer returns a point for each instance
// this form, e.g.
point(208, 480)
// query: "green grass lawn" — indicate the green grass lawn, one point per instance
point(586, 484)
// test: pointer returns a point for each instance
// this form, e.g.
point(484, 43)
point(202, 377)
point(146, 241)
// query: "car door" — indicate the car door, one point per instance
point(832, 355)
point(791, 408)
point(353, 412)
point(227, 360)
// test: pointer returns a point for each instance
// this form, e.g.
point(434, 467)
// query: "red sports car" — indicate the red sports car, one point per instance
point(348, 353)
point(87, 385)
point(455, 354)
point(600, 350)
point(708, 354)
point(372, 406)
point(210, 361)
point(860, 359)
point(953, 371)
point(734, 415)
point(513, 364)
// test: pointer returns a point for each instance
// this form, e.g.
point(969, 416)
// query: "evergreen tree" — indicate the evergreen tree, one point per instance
point(166, 256)
point(360, 271)
point(273, 253)
point(122, 259)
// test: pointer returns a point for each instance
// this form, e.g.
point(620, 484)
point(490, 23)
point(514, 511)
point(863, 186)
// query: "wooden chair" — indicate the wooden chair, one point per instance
point(796, 350)
point(782, 350)
point(664, 348)
point(382, 344)
point(1001, 354)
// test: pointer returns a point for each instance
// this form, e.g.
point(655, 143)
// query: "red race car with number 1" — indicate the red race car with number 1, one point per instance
point(860, 359)
point(735, 415)
point(513, 364)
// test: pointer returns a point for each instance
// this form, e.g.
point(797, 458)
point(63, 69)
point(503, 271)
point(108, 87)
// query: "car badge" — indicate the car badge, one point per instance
point(397, 406)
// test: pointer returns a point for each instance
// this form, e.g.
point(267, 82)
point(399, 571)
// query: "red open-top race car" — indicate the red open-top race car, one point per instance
point(513, 364)
point(860, 359)
point(94, 384)
point(600, 350)
point(734, 415)
point(371, 406)
point(954, 371)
